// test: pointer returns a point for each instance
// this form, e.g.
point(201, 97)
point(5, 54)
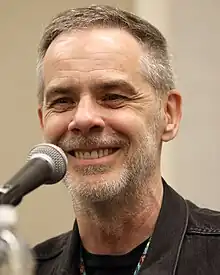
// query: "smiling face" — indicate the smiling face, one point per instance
point(98, 108)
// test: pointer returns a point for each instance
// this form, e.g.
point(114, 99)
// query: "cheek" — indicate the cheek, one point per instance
point(134, 125)
point(55, 125)
point(128, 124)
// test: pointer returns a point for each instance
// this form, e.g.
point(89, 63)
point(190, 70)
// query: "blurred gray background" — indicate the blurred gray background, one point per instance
point(190, 162)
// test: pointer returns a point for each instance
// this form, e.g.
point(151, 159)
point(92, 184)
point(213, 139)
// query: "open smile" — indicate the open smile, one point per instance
point(94, 156)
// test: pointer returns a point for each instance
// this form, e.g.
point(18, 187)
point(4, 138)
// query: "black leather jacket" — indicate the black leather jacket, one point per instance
point(186, 241)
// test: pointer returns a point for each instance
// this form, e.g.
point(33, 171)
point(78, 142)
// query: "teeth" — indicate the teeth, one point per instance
point(80, 155)
point(100, 153)
point(93, 154)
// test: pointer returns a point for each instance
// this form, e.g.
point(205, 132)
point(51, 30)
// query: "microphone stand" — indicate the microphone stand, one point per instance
point(16, 257)
point(46, 164)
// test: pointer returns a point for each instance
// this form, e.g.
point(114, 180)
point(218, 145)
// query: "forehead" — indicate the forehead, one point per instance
point(88, 54)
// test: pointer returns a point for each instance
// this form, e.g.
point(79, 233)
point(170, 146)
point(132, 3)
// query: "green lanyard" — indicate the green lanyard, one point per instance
point(137, 269)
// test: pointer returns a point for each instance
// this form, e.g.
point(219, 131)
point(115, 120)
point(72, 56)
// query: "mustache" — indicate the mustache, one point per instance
point(70, 143)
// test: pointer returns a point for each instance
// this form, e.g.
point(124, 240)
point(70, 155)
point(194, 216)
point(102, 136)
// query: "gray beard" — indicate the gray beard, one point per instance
point(128, 182)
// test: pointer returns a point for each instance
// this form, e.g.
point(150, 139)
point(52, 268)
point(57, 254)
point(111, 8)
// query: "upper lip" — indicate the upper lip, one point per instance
point(93, 148)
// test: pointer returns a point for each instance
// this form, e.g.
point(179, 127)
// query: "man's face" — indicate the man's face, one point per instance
point(98, 108)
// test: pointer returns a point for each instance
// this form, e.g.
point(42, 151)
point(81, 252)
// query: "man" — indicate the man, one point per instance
point(107, 97)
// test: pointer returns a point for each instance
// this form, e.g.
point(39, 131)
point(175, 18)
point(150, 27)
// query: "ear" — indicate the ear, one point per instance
point(40, 116)
point(173, 114)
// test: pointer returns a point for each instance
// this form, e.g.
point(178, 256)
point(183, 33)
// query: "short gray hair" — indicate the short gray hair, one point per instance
point(155, 64)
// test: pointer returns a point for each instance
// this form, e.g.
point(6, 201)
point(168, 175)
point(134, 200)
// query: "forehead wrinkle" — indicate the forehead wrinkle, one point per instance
point(61, 55)
point(91, 75)
point(68, 80)
point(74, 62)
point(76, 69)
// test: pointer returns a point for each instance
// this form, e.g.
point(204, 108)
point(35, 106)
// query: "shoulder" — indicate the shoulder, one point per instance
point(201, 243)
point(48, 254)
point(52, 247)
point(203, 221)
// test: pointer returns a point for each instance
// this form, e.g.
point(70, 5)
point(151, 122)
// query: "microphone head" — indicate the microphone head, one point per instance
point(54, 155)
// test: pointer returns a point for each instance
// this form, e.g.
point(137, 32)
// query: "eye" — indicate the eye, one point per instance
point(113, 100)
point(113, 97)
point(62, 104)
point(62, 100)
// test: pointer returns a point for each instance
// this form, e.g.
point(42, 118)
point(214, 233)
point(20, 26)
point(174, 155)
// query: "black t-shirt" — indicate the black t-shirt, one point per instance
point(113, 265)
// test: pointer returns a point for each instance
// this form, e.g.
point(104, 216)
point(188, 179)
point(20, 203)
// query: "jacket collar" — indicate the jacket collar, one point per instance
point(167, 239)
point(165, 244)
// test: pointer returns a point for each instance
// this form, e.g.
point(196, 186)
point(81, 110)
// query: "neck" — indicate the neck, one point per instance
point(116, 227)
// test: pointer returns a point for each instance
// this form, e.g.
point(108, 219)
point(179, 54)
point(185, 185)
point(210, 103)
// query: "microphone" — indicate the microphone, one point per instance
point(46, 164)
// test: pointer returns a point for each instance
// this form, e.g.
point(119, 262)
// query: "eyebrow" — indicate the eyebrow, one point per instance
point(101, 85)
point(114, 83)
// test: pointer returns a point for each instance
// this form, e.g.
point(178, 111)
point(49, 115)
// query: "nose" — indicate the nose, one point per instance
point(86, 118)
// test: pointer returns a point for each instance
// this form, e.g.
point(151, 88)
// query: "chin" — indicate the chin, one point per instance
point(95, 187)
